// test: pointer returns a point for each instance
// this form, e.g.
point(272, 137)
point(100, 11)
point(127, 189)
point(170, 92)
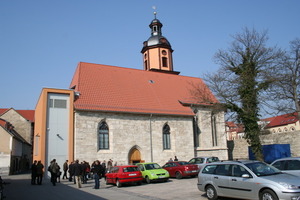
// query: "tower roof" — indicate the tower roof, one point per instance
point(156, 37)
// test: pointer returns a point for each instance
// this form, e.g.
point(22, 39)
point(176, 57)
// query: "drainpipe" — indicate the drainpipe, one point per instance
point(151, 148)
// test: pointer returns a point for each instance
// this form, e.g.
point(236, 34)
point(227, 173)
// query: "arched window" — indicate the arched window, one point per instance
point(166, 137)
point(103, 139)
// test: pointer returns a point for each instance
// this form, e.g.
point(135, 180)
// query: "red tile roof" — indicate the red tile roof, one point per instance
point(283, 120)
point(3, 110)
point(117, 89)
point(27, 114)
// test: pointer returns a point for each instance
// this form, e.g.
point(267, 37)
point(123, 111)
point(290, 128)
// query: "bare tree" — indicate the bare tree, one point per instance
point(285, 89)
point(239, 83)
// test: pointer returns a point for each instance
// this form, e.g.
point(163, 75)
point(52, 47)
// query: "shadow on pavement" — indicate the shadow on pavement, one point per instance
point(19, 187)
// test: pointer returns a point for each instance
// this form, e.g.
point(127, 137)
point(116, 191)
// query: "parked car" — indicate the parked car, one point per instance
point(126, 174)
point(181, 169)
point(201, 161)
point(247, 180)
point(153, 172)
point(289, 165)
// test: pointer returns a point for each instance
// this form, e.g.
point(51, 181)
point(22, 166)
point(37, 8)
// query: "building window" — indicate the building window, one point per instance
point(214, 130)
point(57, 103)
point(165, 62)
point(166, 137)
point(103, 136)
point(146, 64)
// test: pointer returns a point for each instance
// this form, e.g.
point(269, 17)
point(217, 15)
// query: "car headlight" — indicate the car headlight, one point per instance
point(288, 186)
point(153, 174)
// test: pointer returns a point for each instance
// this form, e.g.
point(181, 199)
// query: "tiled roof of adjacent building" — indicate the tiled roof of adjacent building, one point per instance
point(283, 120)
point(118, 89)
point(27, 114)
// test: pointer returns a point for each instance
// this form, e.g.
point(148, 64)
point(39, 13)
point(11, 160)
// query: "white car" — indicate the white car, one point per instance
point(289, 165)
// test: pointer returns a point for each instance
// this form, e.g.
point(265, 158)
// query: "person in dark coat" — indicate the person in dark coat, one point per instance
point(97, 173)
point(39, 172)
point(65, 169)
point(71, 172)
point(33, 172)
point(78, 171)
point(54, 168)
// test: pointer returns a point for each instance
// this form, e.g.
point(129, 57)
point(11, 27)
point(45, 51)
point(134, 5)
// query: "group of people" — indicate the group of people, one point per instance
point(76, 171)
point(79, 172)
point(37, 172)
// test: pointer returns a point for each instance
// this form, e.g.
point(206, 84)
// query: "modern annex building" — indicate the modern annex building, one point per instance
point(130, 115)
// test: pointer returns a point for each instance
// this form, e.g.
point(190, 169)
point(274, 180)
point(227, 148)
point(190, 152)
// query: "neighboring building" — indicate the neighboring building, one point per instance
point(15, 151)
point(234, 131)
point(283, 123)
point(16, 139)
point(22, 120)
point(129, 115)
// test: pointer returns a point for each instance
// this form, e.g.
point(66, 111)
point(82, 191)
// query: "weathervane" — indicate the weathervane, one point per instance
point(154, 8)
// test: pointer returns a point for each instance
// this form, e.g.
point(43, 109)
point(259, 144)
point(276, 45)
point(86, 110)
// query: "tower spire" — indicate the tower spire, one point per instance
point(157, 51)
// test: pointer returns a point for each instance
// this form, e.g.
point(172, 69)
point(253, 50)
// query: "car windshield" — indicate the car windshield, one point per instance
point(130, 169)
point(152, 166)
point(262, 169)
point(183, 163)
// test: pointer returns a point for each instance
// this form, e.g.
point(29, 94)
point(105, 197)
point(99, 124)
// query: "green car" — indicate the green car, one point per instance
point(153, 172)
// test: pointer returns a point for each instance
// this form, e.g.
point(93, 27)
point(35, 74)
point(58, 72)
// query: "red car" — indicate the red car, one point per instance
point(126, 174)
point(181, 169)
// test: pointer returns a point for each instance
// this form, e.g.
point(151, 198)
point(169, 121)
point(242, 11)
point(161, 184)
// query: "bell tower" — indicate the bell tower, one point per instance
point(157, 51)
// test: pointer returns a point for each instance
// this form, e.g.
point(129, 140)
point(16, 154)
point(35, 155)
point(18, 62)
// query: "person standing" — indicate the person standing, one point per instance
point(175, 159)
point(104, 168)
point(97, 173)
point(109, 165)
point(53, 170)
point(39, 172)
point(65, 169)
point(33, 172)
point(78, 171)
point(71, 172)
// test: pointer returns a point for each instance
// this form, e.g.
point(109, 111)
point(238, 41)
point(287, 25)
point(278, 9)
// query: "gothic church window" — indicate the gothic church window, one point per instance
point(166, 137)
point(103, 139)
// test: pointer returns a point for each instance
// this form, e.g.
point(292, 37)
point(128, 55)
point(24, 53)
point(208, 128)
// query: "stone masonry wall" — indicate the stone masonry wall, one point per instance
point(127, 131)
point(239, 147)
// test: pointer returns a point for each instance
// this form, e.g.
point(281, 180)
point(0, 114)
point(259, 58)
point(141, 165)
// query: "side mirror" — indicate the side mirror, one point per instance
point(245, 176)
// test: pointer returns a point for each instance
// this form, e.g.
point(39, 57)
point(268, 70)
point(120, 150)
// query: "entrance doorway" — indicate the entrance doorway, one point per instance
point(135, 156)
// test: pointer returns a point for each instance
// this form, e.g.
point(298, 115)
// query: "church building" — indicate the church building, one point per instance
point(130, 115)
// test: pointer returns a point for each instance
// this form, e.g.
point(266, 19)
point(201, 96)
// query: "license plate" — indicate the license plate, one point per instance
point(194, 171)
point(132, 174)
point(161, 177)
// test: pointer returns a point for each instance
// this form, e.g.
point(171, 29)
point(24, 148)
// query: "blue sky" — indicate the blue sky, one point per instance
point(42, 41)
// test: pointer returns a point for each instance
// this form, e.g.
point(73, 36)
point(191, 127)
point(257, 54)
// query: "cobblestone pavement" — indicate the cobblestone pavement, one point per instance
point(20, 188)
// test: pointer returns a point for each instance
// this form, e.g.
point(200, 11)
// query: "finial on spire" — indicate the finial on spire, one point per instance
point(154, 8)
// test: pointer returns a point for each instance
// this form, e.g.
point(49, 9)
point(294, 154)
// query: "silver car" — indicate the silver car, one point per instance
point(247, 180)
point(289, 165)
point(201, 161)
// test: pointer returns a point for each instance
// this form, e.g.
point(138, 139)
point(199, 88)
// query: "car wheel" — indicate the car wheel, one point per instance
point(147, 179)
point(118, 184)
point(211, 193)
point(178, 175)
point(268, 195)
